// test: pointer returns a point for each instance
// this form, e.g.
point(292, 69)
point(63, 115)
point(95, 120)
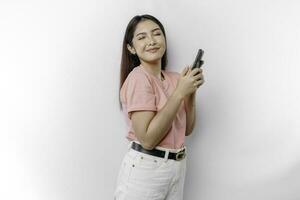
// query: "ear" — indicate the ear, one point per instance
point(132, 51)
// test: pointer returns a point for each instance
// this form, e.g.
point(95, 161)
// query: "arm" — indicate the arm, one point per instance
point(190, 108)
point(160, 124)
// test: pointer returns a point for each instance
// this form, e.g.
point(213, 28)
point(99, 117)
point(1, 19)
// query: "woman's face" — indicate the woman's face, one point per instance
point(148, 36)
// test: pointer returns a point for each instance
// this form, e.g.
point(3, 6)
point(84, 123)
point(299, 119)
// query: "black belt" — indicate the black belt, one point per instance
point(159, 153)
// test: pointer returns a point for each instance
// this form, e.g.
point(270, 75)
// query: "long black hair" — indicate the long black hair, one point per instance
point(130, 61)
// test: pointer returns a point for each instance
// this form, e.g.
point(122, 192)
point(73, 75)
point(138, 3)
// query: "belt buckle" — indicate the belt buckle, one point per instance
point(180, 155)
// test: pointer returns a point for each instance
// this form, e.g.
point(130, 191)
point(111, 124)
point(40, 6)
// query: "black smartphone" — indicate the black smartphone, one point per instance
point(198, 62)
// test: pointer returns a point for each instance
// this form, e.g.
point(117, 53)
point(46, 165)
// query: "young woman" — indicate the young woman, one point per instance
point(159, 108)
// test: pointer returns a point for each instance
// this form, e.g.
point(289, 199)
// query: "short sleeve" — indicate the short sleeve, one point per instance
point(139, 94)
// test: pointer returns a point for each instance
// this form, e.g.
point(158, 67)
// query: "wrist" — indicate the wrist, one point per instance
point(178, 95)
point(190, 100)
point(190, 97)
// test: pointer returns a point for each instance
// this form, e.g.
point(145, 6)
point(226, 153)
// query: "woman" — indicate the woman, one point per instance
point(159, 107)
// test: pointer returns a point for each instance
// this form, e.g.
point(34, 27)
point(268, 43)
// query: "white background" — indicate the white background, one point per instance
point(62, 135)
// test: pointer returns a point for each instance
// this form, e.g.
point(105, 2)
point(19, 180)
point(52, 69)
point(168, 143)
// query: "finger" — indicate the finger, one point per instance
point(184, 71)
point(196, 71)
point(198, 76)
point(200, 70)
point(198, 83)
point(190, 69)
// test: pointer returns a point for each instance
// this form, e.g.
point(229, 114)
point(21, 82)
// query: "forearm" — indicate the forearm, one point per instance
point(190, 106)
point(162, 122)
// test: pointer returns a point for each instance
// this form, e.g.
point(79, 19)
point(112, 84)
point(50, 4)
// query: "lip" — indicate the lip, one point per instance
point(153, 49)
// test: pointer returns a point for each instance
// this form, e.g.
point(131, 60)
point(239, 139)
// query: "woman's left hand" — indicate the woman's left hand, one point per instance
point(198, 76)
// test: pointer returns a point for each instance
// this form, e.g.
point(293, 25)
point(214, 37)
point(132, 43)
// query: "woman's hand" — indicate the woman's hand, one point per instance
point(189, 81)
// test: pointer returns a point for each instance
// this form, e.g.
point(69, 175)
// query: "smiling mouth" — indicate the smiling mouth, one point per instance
point(153, 50)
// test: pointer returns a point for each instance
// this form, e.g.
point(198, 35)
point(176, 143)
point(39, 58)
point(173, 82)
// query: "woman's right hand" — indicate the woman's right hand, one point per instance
point(189, 81)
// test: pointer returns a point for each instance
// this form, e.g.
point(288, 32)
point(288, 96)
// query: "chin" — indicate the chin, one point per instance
point(153, 60)
point(154, 56)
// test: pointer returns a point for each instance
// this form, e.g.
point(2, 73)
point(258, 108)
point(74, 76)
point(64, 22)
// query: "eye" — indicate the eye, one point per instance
point(141, 38)
point(157, 34)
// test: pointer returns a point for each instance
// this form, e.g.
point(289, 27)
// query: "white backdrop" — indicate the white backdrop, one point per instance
point(62, 135)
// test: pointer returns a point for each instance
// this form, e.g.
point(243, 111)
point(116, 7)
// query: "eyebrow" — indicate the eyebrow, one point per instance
point(145, 33)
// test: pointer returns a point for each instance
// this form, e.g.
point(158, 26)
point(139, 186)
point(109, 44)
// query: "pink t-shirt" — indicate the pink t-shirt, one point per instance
point(144, 91)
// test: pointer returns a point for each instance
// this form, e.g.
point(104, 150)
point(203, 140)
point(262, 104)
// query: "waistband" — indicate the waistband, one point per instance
point(159, 147)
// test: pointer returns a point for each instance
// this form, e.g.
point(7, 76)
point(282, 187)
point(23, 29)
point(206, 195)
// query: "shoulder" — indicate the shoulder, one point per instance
point(137, 73)
point(137, 78)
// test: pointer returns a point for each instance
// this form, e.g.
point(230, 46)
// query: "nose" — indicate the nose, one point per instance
point(152, 41)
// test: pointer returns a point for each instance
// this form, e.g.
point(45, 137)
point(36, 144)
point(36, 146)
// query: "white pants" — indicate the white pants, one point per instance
point(146, 177)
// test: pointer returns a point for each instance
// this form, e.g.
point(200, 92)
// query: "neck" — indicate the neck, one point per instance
point(153, 68)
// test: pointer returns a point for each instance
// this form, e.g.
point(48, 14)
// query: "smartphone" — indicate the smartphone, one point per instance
point(198, 62)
